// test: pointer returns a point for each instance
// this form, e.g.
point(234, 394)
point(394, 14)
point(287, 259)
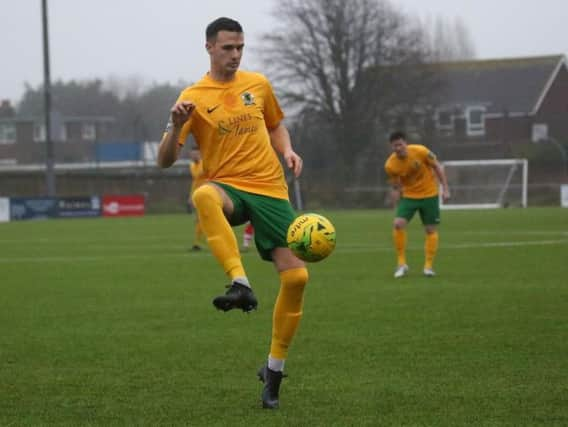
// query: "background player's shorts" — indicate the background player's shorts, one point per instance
point(428, 208)
point(269, 216)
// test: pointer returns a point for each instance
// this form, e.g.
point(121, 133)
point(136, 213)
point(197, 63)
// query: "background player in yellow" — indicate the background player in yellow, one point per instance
point(197, 178)
point(237, 124)
point(414, 173)
point(248, 234)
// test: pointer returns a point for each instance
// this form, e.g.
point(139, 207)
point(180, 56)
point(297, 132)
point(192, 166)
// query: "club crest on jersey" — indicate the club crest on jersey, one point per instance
point(248, 98)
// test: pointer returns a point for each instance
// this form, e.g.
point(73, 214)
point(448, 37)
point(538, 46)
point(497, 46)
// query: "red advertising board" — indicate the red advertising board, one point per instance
point(123, 205)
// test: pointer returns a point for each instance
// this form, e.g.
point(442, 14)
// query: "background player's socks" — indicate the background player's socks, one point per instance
point(430, 249)
point(399, 239)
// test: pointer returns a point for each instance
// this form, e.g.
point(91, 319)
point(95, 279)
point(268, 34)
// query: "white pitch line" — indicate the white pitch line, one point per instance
point(507, 244)
point(145, 238)
point(512, 232)
point(340, 248)
point(96, 258)
point(468, 245)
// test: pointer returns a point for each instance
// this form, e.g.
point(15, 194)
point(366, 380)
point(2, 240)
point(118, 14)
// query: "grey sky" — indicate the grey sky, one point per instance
point(163, 40)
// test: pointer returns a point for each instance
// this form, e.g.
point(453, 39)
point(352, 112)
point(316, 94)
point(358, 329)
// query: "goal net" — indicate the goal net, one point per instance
point(486, 184)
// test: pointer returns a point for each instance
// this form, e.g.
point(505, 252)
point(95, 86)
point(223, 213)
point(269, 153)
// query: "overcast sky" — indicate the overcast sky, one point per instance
point(163, 40)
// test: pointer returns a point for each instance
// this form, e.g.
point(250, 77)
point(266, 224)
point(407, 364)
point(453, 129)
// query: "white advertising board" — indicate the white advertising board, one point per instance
point(564, 195)
point(4, 209)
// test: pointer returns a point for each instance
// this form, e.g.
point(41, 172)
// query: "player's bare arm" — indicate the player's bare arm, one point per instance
point(396, 188)
point(280, 139)
point(439, 171)
point(168, 150)
point(395, 193)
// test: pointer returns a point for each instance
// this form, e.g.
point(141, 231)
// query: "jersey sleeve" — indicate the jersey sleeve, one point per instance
point(428, 156)
point(186, 129)
point(273, 114)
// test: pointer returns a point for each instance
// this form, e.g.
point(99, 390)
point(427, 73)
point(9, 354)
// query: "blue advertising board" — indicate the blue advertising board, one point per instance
point(119, 151)
point(78, 207)
point(22, 208)
point(33, 208)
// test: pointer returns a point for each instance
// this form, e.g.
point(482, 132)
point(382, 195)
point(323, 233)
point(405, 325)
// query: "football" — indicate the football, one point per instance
point(311, 237)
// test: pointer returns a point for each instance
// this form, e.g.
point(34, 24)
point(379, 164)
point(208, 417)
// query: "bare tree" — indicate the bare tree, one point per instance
point(349, 62)
point(324, 48)
point(449, 40)
point(125, 86)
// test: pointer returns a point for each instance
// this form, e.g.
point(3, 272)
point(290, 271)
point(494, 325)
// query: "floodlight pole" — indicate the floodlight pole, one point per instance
point(49, 151)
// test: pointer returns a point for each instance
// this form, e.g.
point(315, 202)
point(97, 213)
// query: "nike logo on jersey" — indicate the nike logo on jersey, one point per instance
point(211, 109)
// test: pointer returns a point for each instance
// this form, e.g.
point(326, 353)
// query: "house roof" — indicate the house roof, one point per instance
point(515, 85)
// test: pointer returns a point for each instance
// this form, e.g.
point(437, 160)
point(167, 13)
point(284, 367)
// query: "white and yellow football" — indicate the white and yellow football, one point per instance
point(311, 237)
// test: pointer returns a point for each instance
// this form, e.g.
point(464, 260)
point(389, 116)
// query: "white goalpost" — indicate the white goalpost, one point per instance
point(486, 184)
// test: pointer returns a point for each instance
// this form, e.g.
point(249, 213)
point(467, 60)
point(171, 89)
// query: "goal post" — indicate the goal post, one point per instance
point(486, 184)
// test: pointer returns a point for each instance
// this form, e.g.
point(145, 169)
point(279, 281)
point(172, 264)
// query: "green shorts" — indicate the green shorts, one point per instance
point(428, 208)
point(269, 216)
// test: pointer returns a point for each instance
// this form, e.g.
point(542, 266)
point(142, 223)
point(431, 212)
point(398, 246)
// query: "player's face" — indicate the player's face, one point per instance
point(226, 51)
point(399, 147)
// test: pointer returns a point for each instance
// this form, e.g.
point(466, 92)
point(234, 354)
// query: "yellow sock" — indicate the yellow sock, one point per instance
point(287, 311)
point(430, 249)
point(220, 235)
point(399, 239)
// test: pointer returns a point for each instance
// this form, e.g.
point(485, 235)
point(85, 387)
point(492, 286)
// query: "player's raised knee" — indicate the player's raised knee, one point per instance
point(205, 196)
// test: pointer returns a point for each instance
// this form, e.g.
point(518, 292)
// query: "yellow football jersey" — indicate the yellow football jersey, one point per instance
point(230, 125)
point(414, 172)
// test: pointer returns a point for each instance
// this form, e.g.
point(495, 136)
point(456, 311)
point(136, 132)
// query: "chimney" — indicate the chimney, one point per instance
point(6, 109)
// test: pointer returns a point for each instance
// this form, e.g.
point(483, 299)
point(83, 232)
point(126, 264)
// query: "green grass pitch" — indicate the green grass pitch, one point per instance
point(109, 322)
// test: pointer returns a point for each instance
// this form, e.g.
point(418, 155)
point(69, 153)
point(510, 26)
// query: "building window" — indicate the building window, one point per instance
point(60, 134)
point(445, 122)
point(539, 132)
point(7, 133)
point(475, 121)
point(39, 133)
point(88, 132)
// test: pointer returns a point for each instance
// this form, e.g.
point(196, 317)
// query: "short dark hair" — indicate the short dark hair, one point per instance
point(222, 24)
point(397, 135)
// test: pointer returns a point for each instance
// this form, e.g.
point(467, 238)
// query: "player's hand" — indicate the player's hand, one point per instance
point(180, 112)
point(395, 196)
point(294, 162)
point(446, 195)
